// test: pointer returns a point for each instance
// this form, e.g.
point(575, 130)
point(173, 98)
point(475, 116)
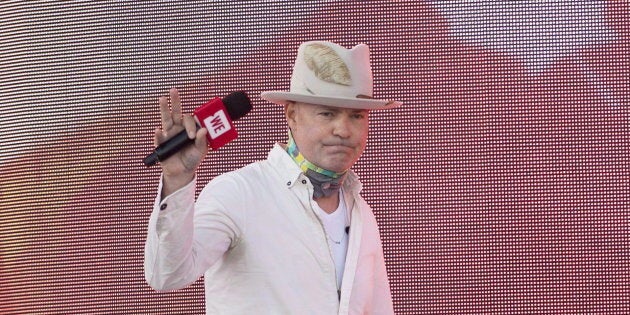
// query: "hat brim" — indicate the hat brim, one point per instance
point(282, 97)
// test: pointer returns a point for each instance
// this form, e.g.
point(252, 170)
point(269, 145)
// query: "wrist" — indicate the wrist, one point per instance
point(173, 183)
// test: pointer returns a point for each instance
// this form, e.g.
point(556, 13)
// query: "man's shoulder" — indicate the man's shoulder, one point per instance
point(247, 173)
point(276, 168)
point(276, 162)
point(236, 184)
point(254, 169)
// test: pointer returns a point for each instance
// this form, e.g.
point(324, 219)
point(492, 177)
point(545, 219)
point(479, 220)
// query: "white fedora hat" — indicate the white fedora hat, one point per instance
point(328, 74)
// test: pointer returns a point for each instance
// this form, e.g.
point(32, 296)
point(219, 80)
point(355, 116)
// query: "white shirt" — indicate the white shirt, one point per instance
point(254, 236)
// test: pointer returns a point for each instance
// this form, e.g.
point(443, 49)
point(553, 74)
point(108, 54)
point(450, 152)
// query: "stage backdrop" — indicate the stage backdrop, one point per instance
point(501, 186)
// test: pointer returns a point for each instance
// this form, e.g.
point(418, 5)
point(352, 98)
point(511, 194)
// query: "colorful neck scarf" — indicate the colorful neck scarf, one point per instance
point(325, 182)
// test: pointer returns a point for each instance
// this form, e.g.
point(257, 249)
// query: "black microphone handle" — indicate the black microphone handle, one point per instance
point(168, 148)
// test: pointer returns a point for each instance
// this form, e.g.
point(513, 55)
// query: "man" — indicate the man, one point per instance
point(290, 234)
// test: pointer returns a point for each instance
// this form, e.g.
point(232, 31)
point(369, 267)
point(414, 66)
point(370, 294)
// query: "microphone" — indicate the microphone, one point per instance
point(216, 115)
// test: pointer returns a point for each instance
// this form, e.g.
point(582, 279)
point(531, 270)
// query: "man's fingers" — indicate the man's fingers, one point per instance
point(201, 141)
point(165, 114)
point(176, 106)
point(159, 137)
point(190, 125)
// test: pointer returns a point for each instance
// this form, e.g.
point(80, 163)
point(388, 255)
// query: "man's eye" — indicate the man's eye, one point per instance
point(326, 114)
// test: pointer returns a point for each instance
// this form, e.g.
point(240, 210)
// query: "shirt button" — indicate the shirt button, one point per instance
point(162, 207)
point(304, 181)
point(288, 183)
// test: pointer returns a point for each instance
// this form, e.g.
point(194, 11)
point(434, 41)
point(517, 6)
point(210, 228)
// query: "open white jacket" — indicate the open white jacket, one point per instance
point(254, 236)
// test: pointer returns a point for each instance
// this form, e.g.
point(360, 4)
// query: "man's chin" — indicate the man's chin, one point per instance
point(338, 166)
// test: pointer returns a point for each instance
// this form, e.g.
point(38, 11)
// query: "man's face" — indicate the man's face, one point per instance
point(329, 137)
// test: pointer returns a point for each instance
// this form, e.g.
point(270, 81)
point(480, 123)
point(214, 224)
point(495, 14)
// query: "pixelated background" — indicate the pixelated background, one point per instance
point(500, 186)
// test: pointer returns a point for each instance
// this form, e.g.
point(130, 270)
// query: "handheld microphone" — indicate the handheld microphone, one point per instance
point(216, 115)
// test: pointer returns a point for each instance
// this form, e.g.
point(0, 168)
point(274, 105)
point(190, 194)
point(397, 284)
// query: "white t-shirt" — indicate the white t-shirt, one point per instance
point(335, 226)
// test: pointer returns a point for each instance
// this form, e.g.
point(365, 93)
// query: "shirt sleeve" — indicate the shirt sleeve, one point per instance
point(179, 247)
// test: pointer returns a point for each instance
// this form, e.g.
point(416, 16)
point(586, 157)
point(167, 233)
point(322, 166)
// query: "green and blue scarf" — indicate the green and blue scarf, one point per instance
point(325, 182)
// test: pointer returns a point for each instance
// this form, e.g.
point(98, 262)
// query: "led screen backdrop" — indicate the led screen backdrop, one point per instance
point(501, 186)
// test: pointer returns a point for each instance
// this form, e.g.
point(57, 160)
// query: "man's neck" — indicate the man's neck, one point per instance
point(328, 204)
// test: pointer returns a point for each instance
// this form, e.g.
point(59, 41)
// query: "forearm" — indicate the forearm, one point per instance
point(169, 241)
point(183, 241)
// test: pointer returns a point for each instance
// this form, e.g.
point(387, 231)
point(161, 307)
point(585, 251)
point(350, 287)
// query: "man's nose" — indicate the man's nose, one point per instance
point(342, 127)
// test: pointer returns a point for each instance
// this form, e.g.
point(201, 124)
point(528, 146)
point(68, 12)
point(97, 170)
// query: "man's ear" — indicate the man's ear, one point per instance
point(290, 113)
